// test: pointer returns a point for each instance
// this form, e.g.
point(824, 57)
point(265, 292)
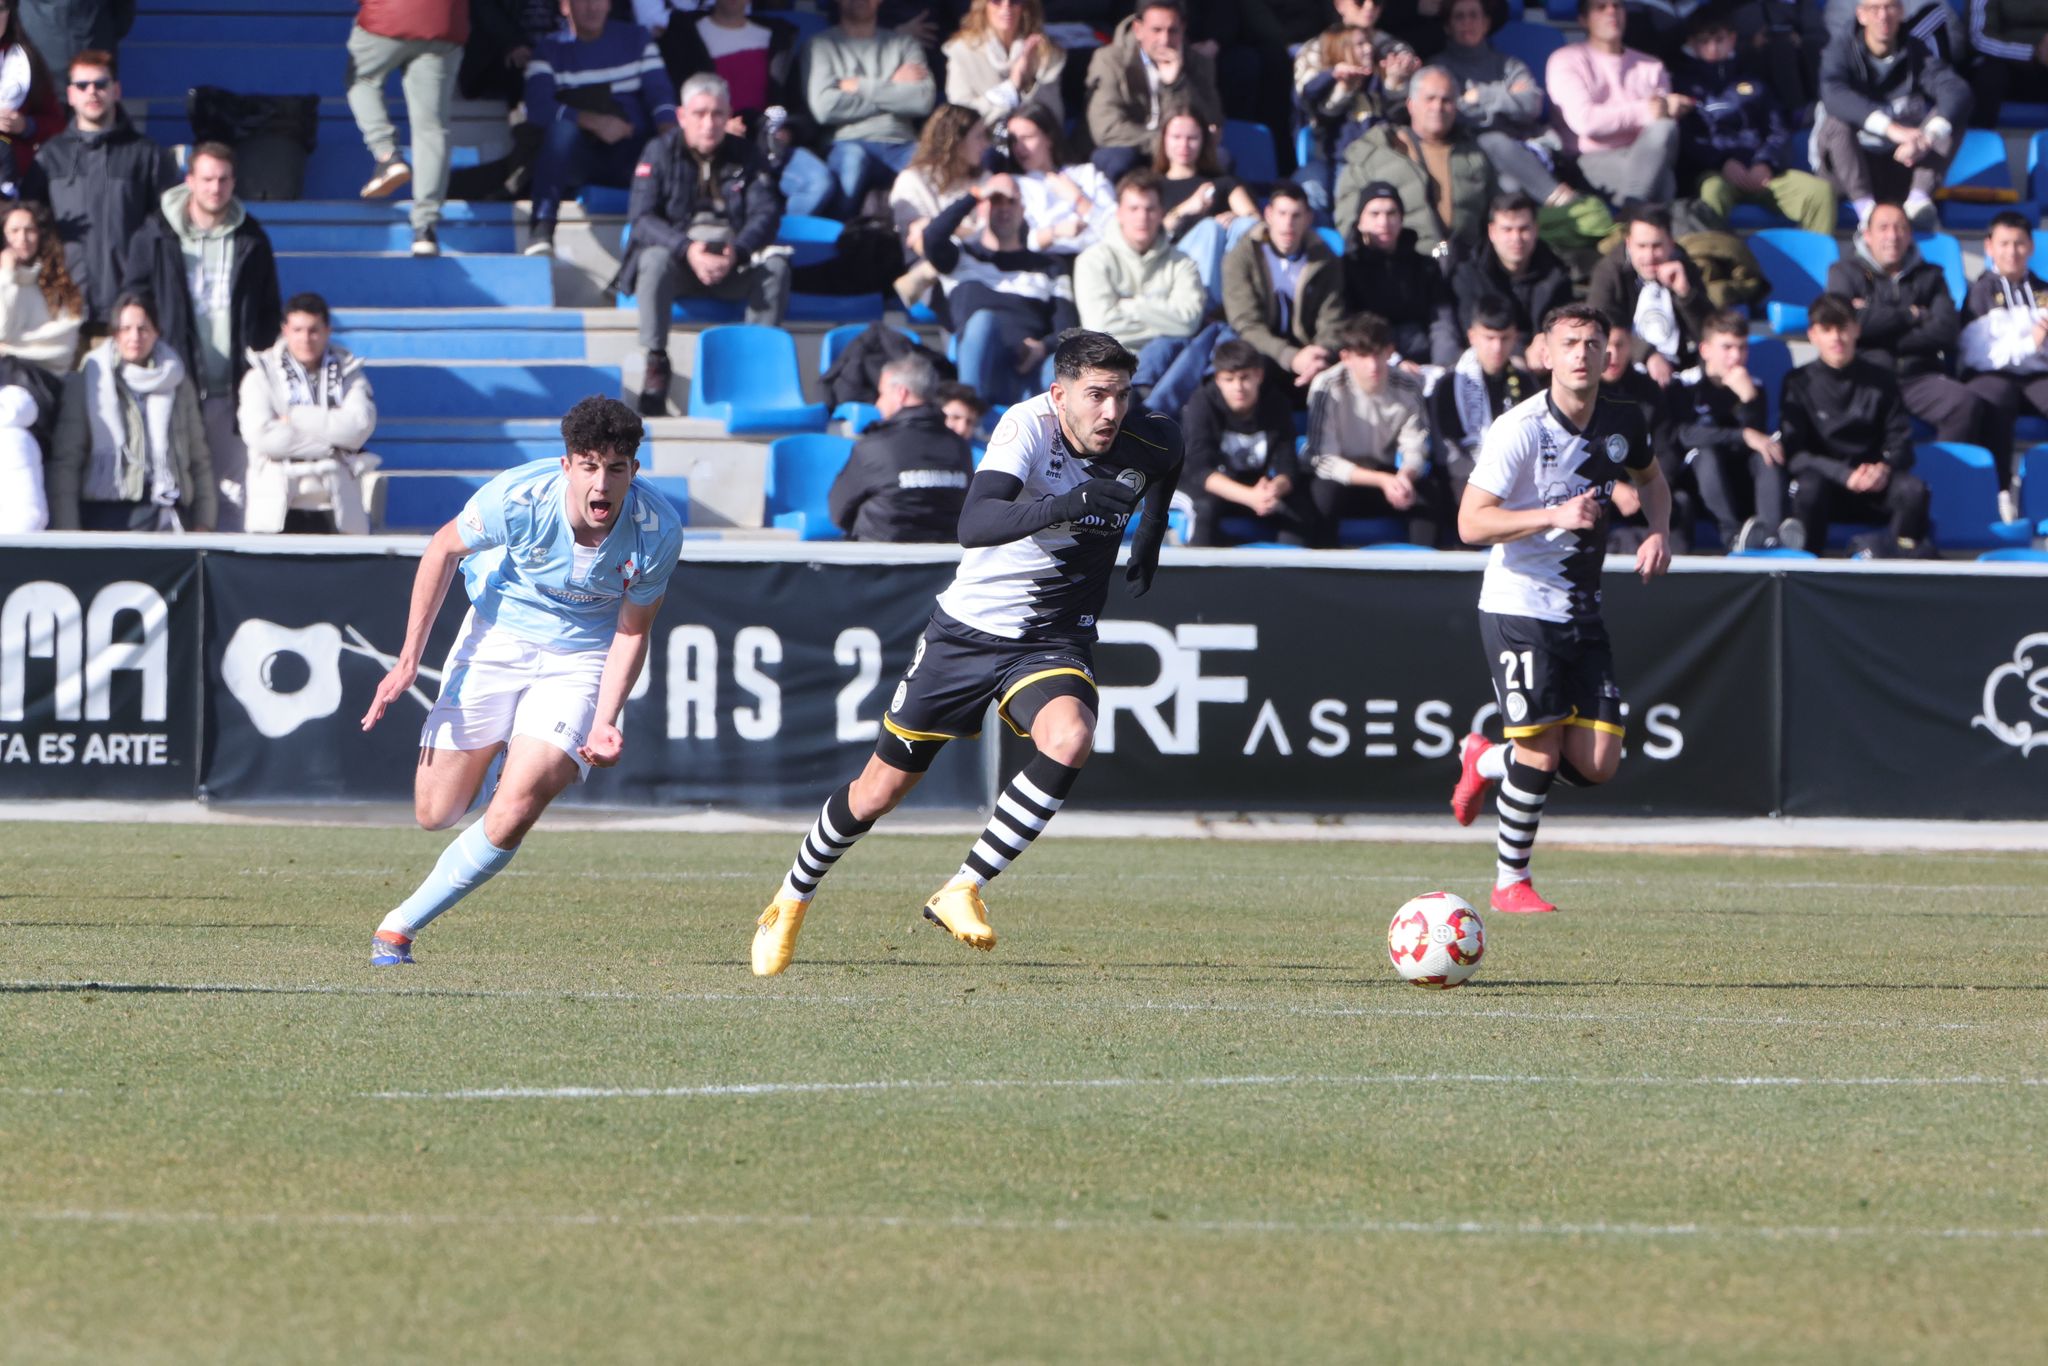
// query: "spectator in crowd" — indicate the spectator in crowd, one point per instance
point(964, 409)
point(1514, 266)
point(2005, 342)
point(2010, 39)
point(1501, 103)
point(101, 180)
point(1649, 282)
point(907, 477)
point(1147, 72)
point(1623, 379)
point(40, 306)
point(870, 89)
point(502, 37)
point(1067, 208)
point(423, 39)
point(1338, 94)
point(1283, 291)
point(306, 412)
point(1386, 274)
point(1734, 141)
point(1627, 382)
point(61, 29)
point(1483, 385)
point(1892, 115)
point(1193, 189)
point(1444, 179)
point(1001, 60)
point(1004, 298)
point(24, 506)
point(1907, 324)
point(598, 92)
point(1238, 431)
point(29, 112)
point(1394, 57)
point(703, 209)
point(754, 54)
point(1368, 439)
point(1717, 425)
point(130, 452)
point(1848, 440)
point(208, 265)
point(945, 166)
point(1136, 287)
point(1615, 110)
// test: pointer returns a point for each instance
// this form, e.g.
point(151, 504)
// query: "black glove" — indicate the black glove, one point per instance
point(1145, 555)
point(1097, 503)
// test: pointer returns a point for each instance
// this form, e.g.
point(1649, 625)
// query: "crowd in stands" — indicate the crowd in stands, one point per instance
point(1336, 340)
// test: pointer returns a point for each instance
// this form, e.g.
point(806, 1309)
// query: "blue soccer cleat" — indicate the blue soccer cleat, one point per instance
point(388, 950)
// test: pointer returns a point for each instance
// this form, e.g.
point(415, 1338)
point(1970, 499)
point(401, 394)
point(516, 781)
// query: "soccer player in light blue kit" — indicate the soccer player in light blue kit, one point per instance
point(566, 563)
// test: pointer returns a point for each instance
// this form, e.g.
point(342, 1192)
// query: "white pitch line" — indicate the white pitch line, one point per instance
point(1454, 1228)
point(789, 1088)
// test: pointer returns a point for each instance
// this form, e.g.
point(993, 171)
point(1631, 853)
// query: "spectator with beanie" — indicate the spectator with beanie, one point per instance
point(703, 209)
point(423, 39)
point(1239, 433)
point(1907, 325)
point(1716, 424)
point(597, 91)
point(1368, 439)
point(209, 266)
point(1649, 283)
point(1135, 286)
point(306, 412)
point(1514, 266)
point(1892, 114)
point(2004, 343)
point(1385, 274)
point(1615, 110)
point(871, 90)
point(1484, 384)
point(1146, 72)
point(906, 479)
point(1849, 442)
point(1734, 143)
point(101, 180)
point(1283, 290)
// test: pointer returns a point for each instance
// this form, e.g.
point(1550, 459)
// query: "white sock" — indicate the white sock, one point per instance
point(1493, 764)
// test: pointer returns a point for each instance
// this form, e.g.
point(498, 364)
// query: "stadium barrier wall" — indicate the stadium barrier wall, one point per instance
point(146, 668)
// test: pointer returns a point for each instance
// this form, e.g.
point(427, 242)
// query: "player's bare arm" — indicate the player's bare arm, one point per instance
point(429, 587)
point(1653, 556)
point(1482, 520)
point(622, 665)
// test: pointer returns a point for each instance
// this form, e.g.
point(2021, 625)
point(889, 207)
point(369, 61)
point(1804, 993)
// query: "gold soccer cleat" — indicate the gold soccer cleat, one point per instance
point(775, 935)
point(957, 908)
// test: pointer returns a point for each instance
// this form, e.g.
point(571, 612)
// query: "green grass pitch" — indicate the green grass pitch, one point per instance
point(1726, 1108)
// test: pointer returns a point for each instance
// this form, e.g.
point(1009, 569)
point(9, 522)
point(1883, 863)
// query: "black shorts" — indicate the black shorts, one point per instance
point(1551, 673)
point(957, 671)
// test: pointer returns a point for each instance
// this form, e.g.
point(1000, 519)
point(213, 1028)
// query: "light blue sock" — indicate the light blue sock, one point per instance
point(466, 864)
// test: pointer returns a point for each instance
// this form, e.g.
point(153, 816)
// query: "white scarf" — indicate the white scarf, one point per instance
point(299, 391)
point(14, 78)
point(1656, 320)
point(128, 474)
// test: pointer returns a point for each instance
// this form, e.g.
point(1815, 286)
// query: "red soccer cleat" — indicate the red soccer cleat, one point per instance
point(1471, 788)
point(1520, 898)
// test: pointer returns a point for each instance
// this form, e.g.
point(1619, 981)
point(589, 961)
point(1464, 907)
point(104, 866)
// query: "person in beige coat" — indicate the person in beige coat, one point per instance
point(40, 307)
point(1148, 71)
point(306, 412)
point(1001, 60)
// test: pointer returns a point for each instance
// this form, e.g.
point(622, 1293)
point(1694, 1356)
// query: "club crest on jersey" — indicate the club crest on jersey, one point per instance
point(1617, 448)
point(1134, 480)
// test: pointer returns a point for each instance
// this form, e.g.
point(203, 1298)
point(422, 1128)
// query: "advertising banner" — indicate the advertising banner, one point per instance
point(99, 673)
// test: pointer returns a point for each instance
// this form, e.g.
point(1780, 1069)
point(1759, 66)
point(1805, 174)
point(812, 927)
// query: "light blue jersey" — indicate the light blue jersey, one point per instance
point(525, 578)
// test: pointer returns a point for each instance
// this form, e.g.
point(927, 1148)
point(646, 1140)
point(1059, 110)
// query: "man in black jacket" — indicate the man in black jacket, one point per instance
point(1651, 286)
point(210, 267)
point(1893, 113)
point(101, 180)
point(907, 477)
point(1515, 267)
point(1848, 441)
point(1907, 324)
point(1484, 384)
point(1238, 434)
point(703, 206)
point(1717, 425)
point(1385, 274)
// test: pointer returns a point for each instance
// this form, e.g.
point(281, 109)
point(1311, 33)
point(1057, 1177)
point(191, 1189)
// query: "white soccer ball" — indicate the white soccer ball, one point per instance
point(1436, 941)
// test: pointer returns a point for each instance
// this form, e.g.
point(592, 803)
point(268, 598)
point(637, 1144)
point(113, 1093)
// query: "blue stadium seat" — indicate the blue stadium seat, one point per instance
point(1533, 43)
point(541, 334)
point(858, 417)
point(1370, 531)
point(2037, 167)
point(2018, 554)
point(841, 337)
point(672, 487)
point(2023, 114)
point(746, 377)
point(1796, 263)
point(805, 308)
point(604, 199)
point(482, 391)
point(1561, 11)
point(1304, 146)
point(1945, 251)
point(1980, 164)
point(800, 474)
point(1962, 488)
point(1252, 157)
point(466, 444)
point(1770, 360)
point(2033, 467)
point(427, 502)
point(1776, 552)
point(812, 241)
point(405, 281)
point(1333, 239)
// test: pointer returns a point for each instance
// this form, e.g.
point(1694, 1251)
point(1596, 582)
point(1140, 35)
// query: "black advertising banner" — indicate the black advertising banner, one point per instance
point(1917, 695)
point(1345, 689)
point(99, 673)
point(767, 683)
point(295, 648)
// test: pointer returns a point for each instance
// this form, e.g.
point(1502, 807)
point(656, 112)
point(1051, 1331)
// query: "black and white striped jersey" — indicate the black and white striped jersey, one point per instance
point(1534, 458)
point(1051, 584)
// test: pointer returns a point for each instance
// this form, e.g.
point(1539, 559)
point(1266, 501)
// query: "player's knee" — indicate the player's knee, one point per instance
point(433, 814)
point(873, 796)
point(1069, 740)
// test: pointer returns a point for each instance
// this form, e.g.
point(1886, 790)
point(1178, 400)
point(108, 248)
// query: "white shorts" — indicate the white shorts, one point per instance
point(495, 686)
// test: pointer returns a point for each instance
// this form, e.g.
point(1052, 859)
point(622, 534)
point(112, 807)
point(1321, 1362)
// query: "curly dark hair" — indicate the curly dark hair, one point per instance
point(53, 274)
point(941, 148)
point(604, 426)
point(1080, 350)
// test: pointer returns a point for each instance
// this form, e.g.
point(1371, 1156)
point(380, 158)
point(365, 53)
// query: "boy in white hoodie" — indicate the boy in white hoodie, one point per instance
point(2004, 344)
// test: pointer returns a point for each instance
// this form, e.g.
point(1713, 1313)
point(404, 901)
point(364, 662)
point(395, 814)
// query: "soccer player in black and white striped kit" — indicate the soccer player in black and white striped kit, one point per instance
point(1044, 518)
point(1540, 496)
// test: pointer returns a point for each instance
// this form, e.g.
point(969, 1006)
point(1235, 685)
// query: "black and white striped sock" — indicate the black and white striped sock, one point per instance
point(1519, 802)
point(830, 838)
point(1026, 803)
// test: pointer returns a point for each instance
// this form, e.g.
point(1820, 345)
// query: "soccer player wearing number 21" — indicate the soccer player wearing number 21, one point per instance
point(1539, 496)
point(1041, 526)
point(566, 562)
